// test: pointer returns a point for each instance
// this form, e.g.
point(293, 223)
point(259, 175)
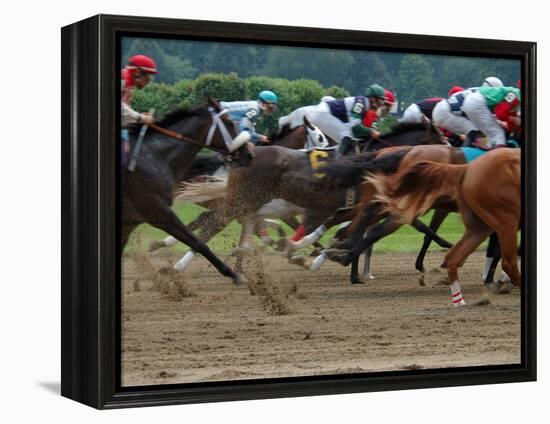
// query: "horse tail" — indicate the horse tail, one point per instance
point(350, 172)
point(204, 165)
point(412, 192)
point(200, 192)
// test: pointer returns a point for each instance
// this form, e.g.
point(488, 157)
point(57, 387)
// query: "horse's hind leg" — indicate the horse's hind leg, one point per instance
point(165, 219)
point(492, 259)
point(375, 233)
point(170, 241)
point(436, 221)
point(354, 273)
point(508, 246)
point(476, 231)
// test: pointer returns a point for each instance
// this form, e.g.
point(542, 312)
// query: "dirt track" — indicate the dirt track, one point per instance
point(308, 323)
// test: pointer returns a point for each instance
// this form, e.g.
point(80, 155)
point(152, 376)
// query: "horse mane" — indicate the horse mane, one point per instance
point(349, 171)
point(203, 164)
point(413, 191)
point(285, 130)
point(180, 113)
point(404, 127)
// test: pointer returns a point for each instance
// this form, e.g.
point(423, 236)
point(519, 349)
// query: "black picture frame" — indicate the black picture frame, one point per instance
point(90, 252)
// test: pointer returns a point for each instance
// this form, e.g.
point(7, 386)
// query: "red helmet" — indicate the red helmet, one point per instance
point(455, 89)
point(142, 63)
point(390, 97)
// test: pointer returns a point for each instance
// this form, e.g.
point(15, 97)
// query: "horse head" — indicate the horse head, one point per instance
point(315, 137)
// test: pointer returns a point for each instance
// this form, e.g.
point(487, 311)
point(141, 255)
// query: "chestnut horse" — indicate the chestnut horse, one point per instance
point(488, 195)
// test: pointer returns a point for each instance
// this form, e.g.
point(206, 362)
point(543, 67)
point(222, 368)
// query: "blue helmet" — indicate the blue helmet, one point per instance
point(267, 96)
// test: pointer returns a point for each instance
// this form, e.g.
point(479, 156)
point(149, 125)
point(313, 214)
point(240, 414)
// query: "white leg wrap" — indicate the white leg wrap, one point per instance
point(443, 117)
point(169, 241)
point(239, 141)
point(246, 243)
point(317, 262)
point(310, 238)
point(366, 267)
point(456, 294)
point(185, 261)
point(412, 115)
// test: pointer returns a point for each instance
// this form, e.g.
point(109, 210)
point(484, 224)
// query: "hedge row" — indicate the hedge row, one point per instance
point(230, 87)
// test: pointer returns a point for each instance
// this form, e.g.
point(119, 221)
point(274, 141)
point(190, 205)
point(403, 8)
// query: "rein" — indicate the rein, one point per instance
point(387, 143)
point(217, 124)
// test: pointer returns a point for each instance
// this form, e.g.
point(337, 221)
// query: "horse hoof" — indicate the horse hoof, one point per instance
point(155, 245)
point(316, 252)
point(501, 287)
point(435, 276)
point(421, 282)
point(337, 255)
point(281, 245)
point(300, 260)
point(239, 279)
point(340, 245)
point(357, 282)
point(504, 278)
point(242, 251)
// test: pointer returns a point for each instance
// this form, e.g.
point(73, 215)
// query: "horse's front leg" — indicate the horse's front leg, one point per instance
point(375, 233)
point(475, 232)
point(436, 221)
point(162, 217)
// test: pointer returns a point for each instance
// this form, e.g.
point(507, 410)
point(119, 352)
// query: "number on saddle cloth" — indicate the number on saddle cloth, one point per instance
point(318, 157)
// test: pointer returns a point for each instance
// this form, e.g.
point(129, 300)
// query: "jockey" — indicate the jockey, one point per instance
point(448, 114)
point(245, 113)
point(296, 117)
point(494, 110)
point(342, 120)
point(492, 82)
point(388, 103)
point(327, 99)
point(421, 111)
point(136, 75)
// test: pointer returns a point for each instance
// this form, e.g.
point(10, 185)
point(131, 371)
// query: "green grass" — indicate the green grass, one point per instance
point(406, 239)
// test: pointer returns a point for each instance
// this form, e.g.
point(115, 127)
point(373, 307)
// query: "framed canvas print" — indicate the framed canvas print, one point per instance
point(255, 211)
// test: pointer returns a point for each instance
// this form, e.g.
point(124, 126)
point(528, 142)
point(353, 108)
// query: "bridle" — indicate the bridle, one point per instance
point(311, 142)
point(217, 124)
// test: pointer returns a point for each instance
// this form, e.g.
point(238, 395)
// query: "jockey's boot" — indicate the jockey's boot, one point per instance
point(471, 138)
point(347, 146)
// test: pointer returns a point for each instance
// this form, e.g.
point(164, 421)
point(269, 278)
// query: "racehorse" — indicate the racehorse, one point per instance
point(369, 211)
point(300, 137)
point(306, 136)
point(277, 172)
point(147, 192)
point(488, 195)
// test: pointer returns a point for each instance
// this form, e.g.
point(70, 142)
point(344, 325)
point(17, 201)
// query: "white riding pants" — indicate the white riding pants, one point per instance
point(475, 106)
point(330, 125)
point(413, 115)
point(442, 116)
point(296, 117)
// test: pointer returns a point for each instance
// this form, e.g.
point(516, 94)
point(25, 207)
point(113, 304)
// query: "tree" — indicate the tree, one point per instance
point(415, 79)
point(171, 69)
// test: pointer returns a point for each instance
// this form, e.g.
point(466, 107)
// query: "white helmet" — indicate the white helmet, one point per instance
point(327, 99)
point(492, 82)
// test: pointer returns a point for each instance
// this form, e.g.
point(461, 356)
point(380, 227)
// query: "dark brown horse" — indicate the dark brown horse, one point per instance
point(368, 211)
point(488, 195)
point(163, 161)
point(281, 173)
